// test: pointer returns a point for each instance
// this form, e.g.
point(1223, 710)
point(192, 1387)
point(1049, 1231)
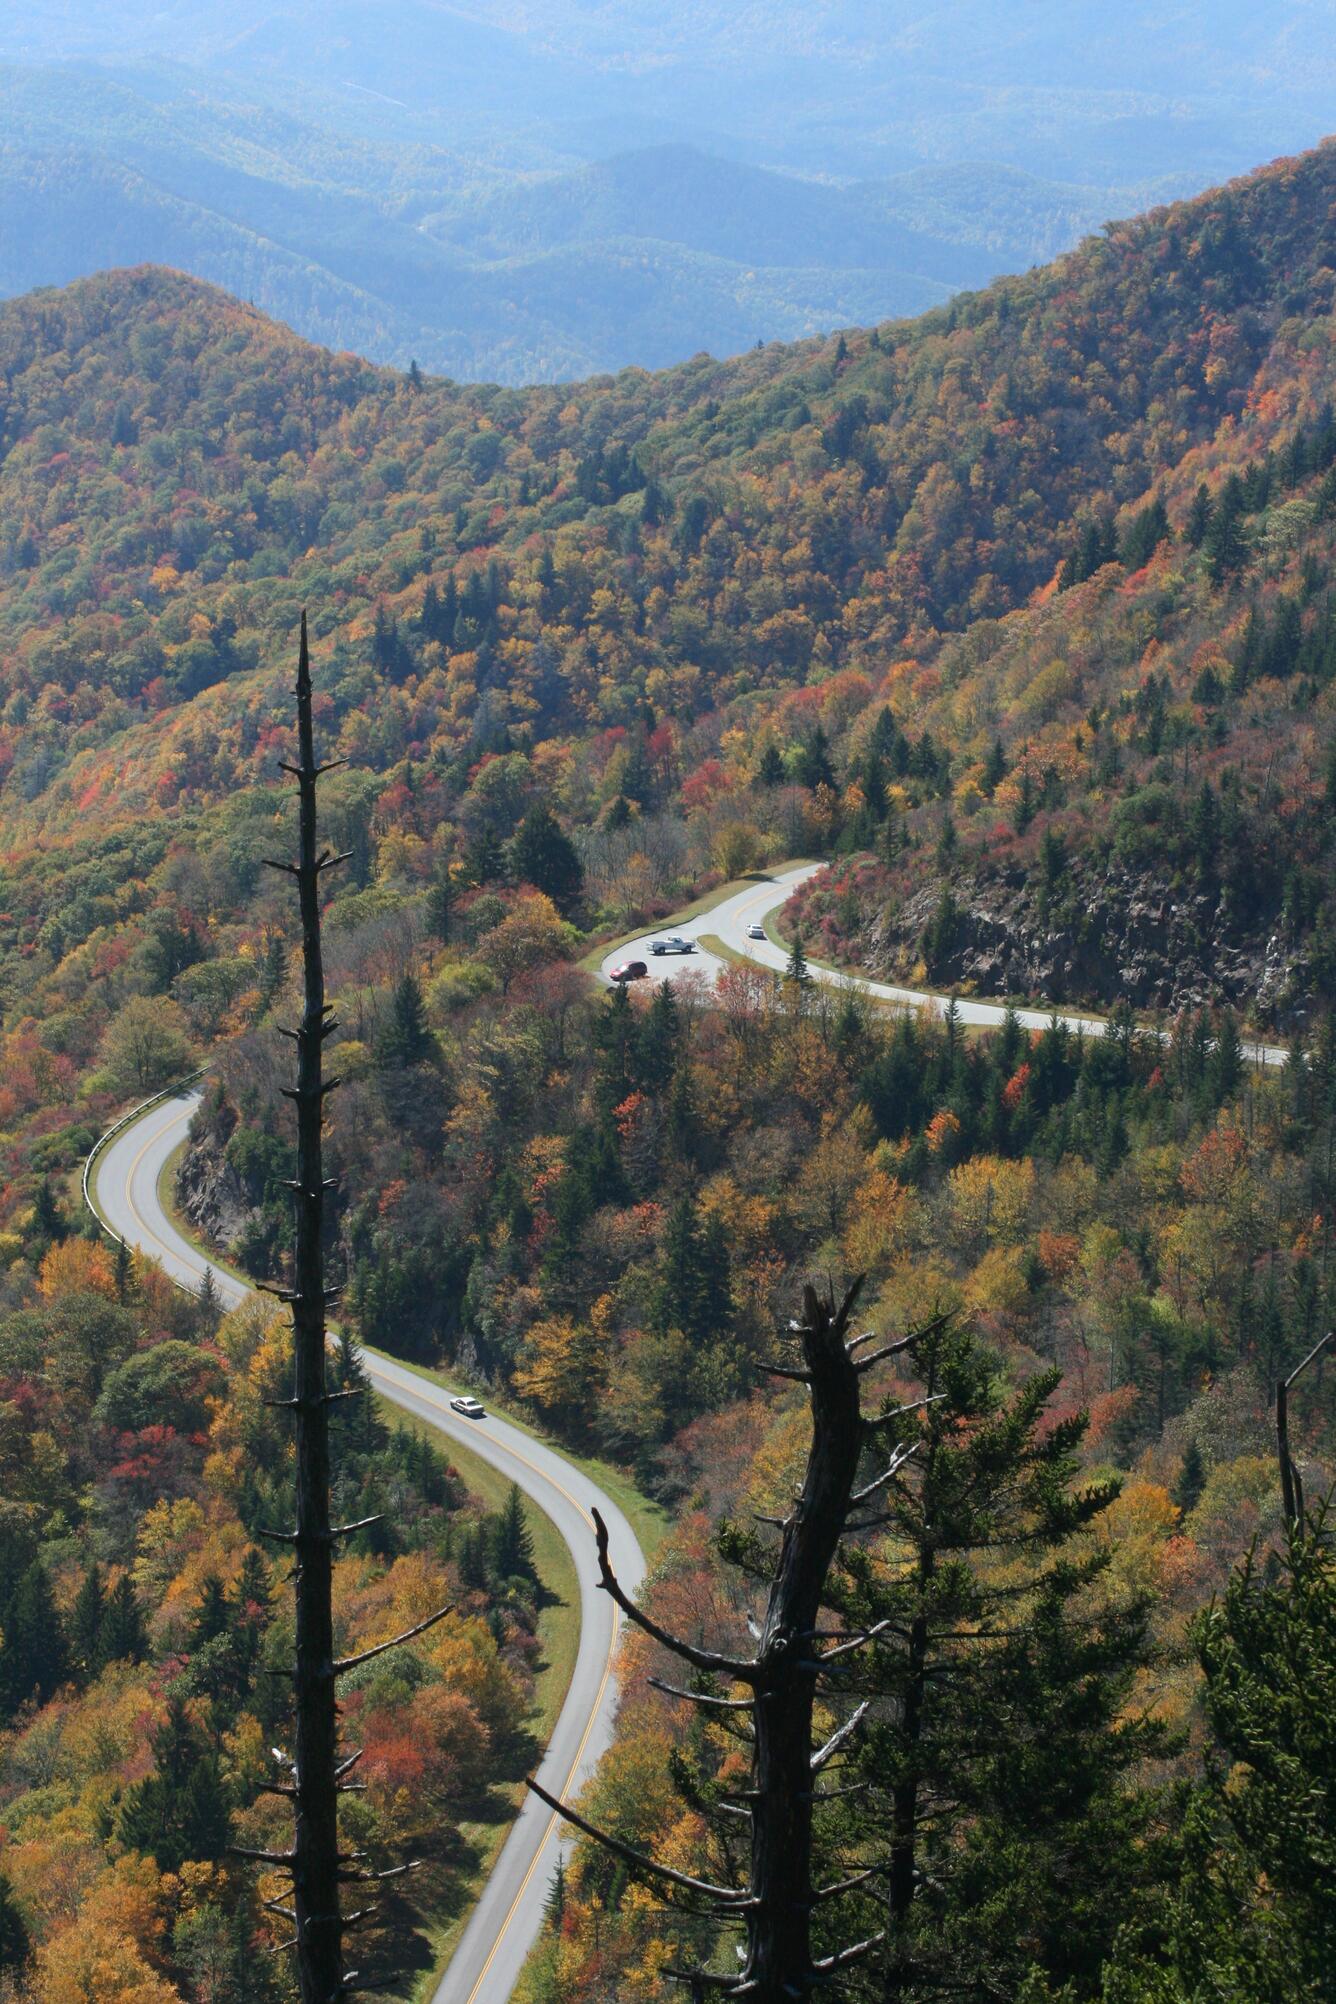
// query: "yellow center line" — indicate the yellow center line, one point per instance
point(432, 1396)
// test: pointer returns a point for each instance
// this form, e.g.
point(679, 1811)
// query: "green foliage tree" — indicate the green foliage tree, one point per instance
point(512, 1548)
point(179, 1813)
point(542, 854)
point(34, 1658)
point(998, 1758)
point(15, 1939)
point(404, 1038)
point(146, 1045)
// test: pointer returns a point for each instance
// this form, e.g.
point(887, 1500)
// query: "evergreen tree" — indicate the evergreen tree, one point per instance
point(770, 770)
point(1253, 1919)
point(542, 854)
point(997, 1759)
point(49, 1223)
point(124, 1637)
point(404, 1039)
point(797, 969)
point(86, 1619)
point(15, 1941)
point(209, 1303)
point(1199, 517)
point(995, 769)
point(1225, 549)
point(179, 1813)
point(441, 899)
point(1191, 1479)
point(512, 1550)
point(694, 1288)
point(34, 1660)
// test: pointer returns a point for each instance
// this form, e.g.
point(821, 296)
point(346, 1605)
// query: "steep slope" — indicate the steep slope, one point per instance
point(684, 601)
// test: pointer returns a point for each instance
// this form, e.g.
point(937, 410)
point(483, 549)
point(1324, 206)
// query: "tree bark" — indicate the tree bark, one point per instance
point(319, 1928)
point(779, 1959)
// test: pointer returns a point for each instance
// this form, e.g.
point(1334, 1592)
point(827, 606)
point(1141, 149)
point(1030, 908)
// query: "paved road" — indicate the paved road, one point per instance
point(505, 1923)
point(730, 921)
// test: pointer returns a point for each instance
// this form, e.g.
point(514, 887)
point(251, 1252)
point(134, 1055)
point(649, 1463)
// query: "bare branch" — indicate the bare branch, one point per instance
point(396, 1641)
point(854, 1642)
point(704, 1659)
point(848, 1955)
point(728, 1896)
point(845, 1885)
point(838, 1737)
point(897, 1462)
point(701, 1697)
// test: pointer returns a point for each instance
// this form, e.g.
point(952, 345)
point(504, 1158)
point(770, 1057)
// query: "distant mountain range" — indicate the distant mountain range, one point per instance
point(514, 191)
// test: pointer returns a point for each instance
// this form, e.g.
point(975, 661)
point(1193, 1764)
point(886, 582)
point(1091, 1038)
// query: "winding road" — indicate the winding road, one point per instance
point(729, 922)
point(122, 1184)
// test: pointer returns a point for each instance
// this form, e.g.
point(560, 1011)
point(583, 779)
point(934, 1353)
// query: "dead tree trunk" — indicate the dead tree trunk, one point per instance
point(316, 1849)
point(781, 1681)
point(315, 1863)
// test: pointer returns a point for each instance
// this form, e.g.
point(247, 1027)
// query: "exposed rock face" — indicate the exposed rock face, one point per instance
point(211, 1193)
point(1111, 935)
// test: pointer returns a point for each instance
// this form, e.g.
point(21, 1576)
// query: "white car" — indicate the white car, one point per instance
point(468, 1408)
point(674, 943)
point(756, 932)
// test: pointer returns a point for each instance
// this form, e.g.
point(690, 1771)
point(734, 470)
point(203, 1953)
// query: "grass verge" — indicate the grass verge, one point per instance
point(648, 1520)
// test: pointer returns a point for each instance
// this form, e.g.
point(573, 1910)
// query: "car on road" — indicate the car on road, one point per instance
point(673, 943)
point(468, 1408)
point(630, 970)
point(756, 932)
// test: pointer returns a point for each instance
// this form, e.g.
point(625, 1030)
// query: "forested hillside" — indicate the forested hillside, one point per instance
point(1019, 615)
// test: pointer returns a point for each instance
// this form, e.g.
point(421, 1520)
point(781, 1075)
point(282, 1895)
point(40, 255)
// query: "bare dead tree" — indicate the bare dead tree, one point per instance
point(781, 1680)
point(1291, 1482)
point(316, 1865)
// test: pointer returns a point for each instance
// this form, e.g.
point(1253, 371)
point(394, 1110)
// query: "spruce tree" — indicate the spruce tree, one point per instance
point(441, 900)
point(797, 970)
point(542, 854)
point(1191, 1479)
point(996, 1761)
point(86, 1620)
point(15, 1940)
point(179, 1813)
point(34, 1660)
point(404, 1038)
point(512, 1549)
point(124, 1637)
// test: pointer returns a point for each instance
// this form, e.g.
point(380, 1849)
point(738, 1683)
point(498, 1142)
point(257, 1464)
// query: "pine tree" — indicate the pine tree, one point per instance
point(1199, 517)
point(797, 970)
point(512, 1550)
point(770, 770)
point(554, 1907)
point(86, 1620)
point(210, 1303)
point(49, 1223)
point(441, 899)
point(15, 1940)
point(179, 1813)
point(124, 1637)
point(404, 1039)
point(995, 1764)
point(1191, 1479)
point(211, 1616)
point(542, 854)
point(125, 1272)
point(34, 1660)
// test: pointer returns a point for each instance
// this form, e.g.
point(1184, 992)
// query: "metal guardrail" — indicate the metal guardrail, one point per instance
point(126, 1119)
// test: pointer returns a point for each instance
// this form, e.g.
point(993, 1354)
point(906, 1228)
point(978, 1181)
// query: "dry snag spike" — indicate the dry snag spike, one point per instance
point(315, 1863)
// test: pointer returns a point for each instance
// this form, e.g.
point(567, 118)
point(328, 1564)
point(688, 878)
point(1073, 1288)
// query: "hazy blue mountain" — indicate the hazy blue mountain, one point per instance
point(522, 188)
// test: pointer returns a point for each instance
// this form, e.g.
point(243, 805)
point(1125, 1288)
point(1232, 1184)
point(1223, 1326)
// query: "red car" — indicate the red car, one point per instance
point(630, 970)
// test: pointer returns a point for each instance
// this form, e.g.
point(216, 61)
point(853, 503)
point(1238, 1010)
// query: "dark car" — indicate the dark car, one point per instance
point(630, 970)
